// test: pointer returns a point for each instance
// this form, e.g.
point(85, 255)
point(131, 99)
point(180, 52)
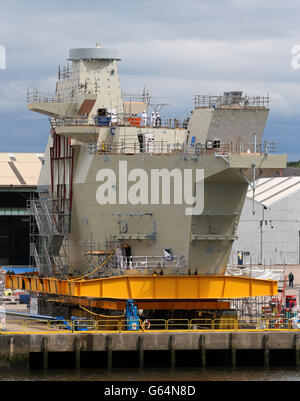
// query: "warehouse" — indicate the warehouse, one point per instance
point(270, 235)
point(19, 173)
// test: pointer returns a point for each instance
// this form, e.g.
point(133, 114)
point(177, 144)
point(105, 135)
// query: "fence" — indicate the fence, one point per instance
point(33, 96)
point(149, 262)
point(117, 119)
point(230, 99)
point(150, 325)
point(257, 271)
point(136, 145)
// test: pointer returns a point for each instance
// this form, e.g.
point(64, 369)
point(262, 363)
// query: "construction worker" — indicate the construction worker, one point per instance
point(144, 119)
point(158, 120)
point(291, 280)
point(240, 256)
point(152, 119)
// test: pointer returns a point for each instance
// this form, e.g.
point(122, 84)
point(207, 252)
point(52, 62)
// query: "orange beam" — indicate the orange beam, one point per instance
point(149, 288)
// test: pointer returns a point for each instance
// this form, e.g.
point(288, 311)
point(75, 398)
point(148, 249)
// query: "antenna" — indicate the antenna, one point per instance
point(158, 106)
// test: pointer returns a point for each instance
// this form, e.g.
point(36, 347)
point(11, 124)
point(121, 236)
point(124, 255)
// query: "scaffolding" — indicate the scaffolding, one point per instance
point(95, 253)
point(112, 259)
point(49, 236)
point(251, 308)
point(50, 214)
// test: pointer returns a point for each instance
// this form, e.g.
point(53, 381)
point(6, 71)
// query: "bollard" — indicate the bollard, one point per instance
point(266, 347)
point(232, 349)
point(77, 346)
point(297, 350)
point(45, 347)
point(141, 350)
point(19, 352)
point(4, 352)
point(172, 350)
point(202, 350)
point(109, 351)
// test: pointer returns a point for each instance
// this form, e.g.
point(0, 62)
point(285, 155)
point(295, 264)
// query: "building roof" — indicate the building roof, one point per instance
point(20, 169)
point(271, 190)
point(289, 171)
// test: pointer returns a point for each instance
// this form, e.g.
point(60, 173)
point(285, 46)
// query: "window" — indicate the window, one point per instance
point(216, 143)
point(209, 144)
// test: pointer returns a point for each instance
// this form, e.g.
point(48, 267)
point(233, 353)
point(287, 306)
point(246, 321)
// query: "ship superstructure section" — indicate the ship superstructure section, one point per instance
point(125, 192)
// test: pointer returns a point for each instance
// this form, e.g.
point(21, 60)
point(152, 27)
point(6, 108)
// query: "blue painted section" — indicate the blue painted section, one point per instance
point(24, 299)
point(19, 269)
point(29, 315)
point(80, 326)
point(61, 318)
point(132, 318)
point(102, 121)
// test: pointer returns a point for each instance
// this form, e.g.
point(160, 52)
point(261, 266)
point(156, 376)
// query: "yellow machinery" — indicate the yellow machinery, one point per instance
point(149, 292)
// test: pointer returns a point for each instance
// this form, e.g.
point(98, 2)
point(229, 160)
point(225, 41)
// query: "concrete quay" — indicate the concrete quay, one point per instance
point(74, 350)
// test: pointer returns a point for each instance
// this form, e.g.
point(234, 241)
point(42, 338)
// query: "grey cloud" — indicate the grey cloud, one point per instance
point(175, 48)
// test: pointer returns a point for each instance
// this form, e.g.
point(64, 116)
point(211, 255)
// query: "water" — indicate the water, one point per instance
point(158, 374)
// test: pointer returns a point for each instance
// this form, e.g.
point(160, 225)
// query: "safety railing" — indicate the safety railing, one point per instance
point(231, 99)
point(34, 96)
point(149, 325)
point(136, 145)
point(257, 271)
point(154, 324)
point(121, 119)
point(177, 324)
point(148, 262)
point(60, 325)
point(84, 325)
point(37, 325)
point(201, 324)
point(76, 121)
point(133, 146)
point(247, 324)
point(109, 325)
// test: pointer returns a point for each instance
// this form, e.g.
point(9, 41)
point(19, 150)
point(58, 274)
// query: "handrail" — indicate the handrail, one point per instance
point(148, 262)
point(121, 119)
point(149, 325)
point(131, 145)
point(231, 99)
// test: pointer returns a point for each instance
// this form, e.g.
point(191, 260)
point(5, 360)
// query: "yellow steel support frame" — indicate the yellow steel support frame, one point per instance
point(149, 287)
point(117, 304)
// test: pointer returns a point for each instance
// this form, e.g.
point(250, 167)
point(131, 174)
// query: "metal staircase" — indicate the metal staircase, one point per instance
point(49, 236)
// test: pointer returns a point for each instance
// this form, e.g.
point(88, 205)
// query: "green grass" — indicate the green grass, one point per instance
point(294, 164)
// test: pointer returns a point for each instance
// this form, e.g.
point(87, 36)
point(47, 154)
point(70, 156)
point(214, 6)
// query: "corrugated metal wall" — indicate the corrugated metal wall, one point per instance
point(272, 235)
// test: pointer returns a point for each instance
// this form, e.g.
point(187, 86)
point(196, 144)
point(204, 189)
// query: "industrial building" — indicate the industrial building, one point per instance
point(19, 173)
point(269, 228)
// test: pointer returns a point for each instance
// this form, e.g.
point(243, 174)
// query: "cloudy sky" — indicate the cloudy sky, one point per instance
point(175, 48)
